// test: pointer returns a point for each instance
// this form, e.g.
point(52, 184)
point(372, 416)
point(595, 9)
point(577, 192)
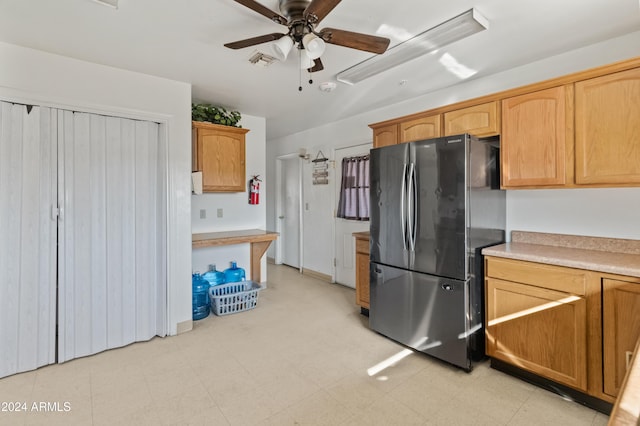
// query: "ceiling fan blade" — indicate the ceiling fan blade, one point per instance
point(317, 66)
point(240, 44)
point(318, 9)
point(353, 40)
point(262, 10)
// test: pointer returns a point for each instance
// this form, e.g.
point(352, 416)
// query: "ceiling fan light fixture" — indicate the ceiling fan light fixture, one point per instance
point(457, 28)
point(314, 45)
point(306, 61)
point(282, 47)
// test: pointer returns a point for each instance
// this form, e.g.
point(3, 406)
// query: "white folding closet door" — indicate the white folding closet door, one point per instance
point(27, 237)
point(112, 281)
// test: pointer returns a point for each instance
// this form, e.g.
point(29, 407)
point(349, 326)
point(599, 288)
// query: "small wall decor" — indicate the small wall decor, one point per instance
point(320, 169)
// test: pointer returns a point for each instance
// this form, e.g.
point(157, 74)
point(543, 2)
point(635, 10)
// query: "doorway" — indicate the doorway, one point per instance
point(289, 210)
point(344, 242)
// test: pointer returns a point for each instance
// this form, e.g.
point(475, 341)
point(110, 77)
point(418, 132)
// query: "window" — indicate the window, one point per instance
point(354, 188)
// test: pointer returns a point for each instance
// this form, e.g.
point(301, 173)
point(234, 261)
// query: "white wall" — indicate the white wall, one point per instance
point(616, 220)
point(35, 77)
point(237, 213)
point(609, 212)
point(318, 200)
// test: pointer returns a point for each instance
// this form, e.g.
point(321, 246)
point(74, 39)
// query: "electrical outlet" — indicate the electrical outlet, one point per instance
point(219, 212)
point(203, 214)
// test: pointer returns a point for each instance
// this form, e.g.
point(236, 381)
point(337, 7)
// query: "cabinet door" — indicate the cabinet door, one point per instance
point(536, 139)
point(362, 273)
point(421, 128)
point(384, 136)
point(221, 158)
point(479, 120)
point(537, 329)
point(608, 129)
point(621, 330)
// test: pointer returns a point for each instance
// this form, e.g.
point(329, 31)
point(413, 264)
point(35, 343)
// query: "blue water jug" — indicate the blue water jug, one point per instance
point(200, 296)
point(234, 274)
point(213, 276)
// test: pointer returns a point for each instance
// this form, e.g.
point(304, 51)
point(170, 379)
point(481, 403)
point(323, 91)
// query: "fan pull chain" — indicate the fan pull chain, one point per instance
point(300, 70)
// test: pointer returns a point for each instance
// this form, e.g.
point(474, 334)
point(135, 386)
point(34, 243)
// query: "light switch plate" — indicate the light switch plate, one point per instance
point(219, 212)
point(203, 214)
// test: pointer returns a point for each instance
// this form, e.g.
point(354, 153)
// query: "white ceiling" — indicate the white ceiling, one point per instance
point(183, 40)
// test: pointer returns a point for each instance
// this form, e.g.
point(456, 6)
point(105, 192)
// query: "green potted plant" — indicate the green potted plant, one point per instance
point(214, 114)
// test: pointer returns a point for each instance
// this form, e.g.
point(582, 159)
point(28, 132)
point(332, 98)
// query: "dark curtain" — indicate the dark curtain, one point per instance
point(354, 189)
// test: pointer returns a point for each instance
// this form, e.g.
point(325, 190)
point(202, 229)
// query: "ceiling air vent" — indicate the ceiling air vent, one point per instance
point(261, 59)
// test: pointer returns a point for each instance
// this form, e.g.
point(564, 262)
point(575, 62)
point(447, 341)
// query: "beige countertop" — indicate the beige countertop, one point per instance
point(364, 235)
point(614, 256)
point(209, 239)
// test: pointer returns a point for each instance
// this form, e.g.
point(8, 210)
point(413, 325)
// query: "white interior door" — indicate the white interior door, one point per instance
point(345, 243)
point(289, 211)
point(112, 283)
point(27, 237)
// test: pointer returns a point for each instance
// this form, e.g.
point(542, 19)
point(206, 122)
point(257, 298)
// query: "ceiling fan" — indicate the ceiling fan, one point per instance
point(301, 17)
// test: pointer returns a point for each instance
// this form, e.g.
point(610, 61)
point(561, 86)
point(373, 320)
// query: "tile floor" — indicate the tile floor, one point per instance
point(300, 358)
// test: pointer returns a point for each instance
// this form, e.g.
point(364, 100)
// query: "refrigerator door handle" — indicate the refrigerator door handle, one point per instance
point(411, 207)
point(403, 213)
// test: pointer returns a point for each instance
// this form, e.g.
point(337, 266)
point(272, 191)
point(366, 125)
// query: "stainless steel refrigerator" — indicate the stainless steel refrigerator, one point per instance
point(434, 205)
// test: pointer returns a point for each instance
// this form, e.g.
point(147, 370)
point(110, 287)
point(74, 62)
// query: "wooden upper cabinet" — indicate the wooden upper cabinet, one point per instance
point(608, 129)
point(574, 131)
point(421, 128)
point(407, 131)
point(480, 120)
point(621, 330)
point(219, 153)
point(386, 135)
point(537, 138)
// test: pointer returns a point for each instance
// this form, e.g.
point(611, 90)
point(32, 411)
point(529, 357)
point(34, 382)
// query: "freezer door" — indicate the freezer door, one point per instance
point(438, 207)
point(421, 311)
point(387, 213)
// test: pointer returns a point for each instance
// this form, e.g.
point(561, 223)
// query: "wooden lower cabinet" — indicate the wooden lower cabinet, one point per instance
point(362, 272)
point(538, 329)
point(575, 327)
point(621, 329)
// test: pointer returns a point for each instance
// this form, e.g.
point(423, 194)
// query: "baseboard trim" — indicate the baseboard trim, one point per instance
point(315, 274)
point(184, 326)
point(565, 391)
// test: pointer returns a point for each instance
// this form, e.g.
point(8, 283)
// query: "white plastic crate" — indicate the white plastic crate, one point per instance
point(234, 297)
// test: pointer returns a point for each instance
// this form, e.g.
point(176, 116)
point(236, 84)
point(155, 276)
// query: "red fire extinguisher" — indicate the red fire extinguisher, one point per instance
point(254, 190)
